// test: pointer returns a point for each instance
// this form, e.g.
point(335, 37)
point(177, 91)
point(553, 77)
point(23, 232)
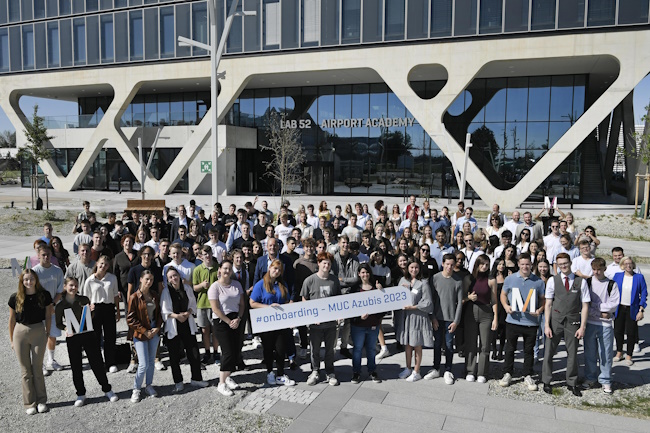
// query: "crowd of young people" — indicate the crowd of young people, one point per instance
point(476, 288)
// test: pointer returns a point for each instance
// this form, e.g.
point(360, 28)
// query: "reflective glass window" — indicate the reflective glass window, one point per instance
point(491, 14)
point(561, 98)
point(39, 9)
point(135, 35)
point(78, 6)
point(3, 11)
point(92, 39)
point(247, 108)
point(106, 26)
point(418, 19)
point(92, 5)
point(329, 22)
point(571, 14)
point(120, 3)
point(517, 99)
point(26, 10)
point(261, 107)
point(183, 28)
point(151, 33)
point(633, 12)
point(465, 18)
point(372, 20)
point(65, 7)
point(105, 4)
point(543, 15)
point(52, 44)
point(52, 7)
point(290, 25)
point(235, 42)
point(539, 97)
point(272, 24)
point(28, 47)
point(441, 11)
point(495, 95)
point(310, 23)
point(176, 108)
point(4, 50)
point(14, 11)
point(252, 25)
point(167, 40)
point(15, 47)
point(276, 98)
point(121, 37)
point(579, 84)
point(200, 27)
point(351, 21)
point(65, 34)
point(40, 44)
point(516, 15)
point(394, 19)
point(602, 12)
point(79, 34)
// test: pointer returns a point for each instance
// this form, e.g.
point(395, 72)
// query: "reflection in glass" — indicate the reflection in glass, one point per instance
point(441, 12)
point(490, 20)
point(517, 99)
point(271, 23)
point(28, 47)
point(351, 25)
point(539, 98)
point(79, 32)
point(394, 17)
point(495, 92)
point(562, 99)
point(543, 15)
point(135, 35)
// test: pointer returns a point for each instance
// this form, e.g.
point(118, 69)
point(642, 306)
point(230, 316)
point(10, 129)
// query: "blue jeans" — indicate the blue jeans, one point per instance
point(364, 336)
point(598, 345)
point(443, 334)
point(146, 350)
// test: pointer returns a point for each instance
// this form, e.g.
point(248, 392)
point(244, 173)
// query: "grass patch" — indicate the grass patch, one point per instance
point(558, 391)
point(629, 406)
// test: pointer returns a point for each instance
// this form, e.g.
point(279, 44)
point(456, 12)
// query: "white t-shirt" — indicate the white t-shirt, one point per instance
point(583, 265)
point(626, 291)
point(282, 232)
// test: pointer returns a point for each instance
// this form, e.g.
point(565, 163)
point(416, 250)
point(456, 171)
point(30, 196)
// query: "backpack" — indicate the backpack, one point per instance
point(610, 285)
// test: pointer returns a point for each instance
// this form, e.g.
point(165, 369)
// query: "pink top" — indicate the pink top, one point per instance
point(228, 296)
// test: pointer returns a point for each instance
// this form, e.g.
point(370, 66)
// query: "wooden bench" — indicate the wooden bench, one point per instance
point(145, 206)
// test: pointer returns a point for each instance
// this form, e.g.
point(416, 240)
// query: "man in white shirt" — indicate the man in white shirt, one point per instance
point(412, 216)
point(155, 239)
point(567, 247)
point(471, 251)
point(581, 265)
point(615, 267)
point(362, 217)
point(513, 223)
point(235, 231)
point(536, 231)
point(352, 231)
point(312, 219)
point(552, 240)
point(496, 209)
point(466, 218)
point(283, 230)
point(218, 247)
point(183, 266)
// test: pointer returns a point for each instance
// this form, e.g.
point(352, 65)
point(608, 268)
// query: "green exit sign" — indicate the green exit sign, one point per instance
point(206, 166)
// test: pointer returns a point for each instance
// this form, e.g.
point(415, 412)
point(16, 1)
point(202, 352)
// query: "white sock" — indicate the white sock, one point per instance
point(50, 356)
point(383, 347)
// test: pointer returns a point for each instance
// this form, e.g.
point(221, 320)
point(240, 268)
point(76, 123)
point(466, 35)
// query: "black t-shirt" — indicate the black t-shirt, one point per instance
point(136, 271)
point(32, 313)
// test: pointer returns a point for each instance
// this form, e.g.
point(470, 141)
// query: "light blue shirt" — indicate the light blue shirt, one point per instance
point(533, 282)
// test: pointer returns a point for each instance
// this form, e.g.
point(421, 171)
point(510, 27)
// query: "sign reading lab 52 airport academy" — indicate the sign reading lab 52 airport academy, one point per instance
point(328, 309)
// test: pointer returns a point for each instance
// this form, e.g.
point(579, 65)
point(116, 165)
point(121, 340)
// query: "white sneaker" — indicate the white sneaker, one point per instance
point(505, 381)
point(46, 372)
point(160, 366)
point(81, 399)
point(449, 378)
point(179, 387)
point(42, 408)
point(112, 369)
point(414, 377)
point(135, 396)
point(302, 353)
point(270, 378)
point(481, 379)
point(332, 380)
point(382, 353)
point(231, 384)
point(55, 366)
point(31, 411)
point(132, 368)
point(313, 378)
point(257, 342)
point(111, 396)
point(199, 383)
point(284, 380)
point(432, 374)
point(296, 333)
point(149, 389)
point(405, 373)
point(470, 378)
point(607, 389)
point(530, 383)
point(224, 390)
point(637, 348)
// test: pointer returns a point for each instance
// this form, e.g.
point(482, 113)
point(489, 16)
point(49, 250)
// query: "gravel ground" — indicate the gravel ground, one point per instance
point(196, 410)
point(29, 223)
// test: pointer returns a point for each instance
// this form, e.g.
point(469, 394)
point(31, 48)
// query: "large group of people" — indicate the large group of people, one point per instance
point(476, 289)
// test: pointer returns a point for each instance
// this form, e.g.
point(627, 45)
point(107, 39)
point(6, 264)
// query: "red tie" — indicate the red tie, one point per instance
point(566, 283)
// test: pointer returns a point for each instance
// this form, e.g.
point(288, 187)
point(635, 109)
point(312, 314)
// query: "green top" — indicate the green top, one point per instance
point(200, 274)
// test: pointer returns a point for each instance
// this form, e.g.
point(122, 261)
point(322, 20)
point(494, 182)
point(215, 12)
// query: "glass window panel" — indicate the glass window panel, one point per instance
point(310, 22)
point(52, 8)
point(28, 47)
point(495, 92)
point(633, 12)
point(277, 100)
point(395, 106)
point(120, 3)
point(150, 110)
point(200, 27)
point(135, 2)
point(14, 10)
point(26, 10)
point(92, 39)
point(537, 135)
point(477, 91)
point(602, 12)
point(176, 109)
point(235, 42)
point(394, 18)
point(79, 33)
point(3, 11)
point(4, 50)
point(92, 5)
point(252, 26)
point(571, 14)
point(556, 131)
point(121, 37)
point(543, 15)
point(325, 105)
point(167, 41)
point(360, 101)
point(329, 22)
point(106, 25)
point(351, 21)
point(418, 19)
point(137, 107)
point(290, 25)
point(272, 24)
point(372, 20)
point(343, 102)
point(183, 28)
point(40, 45)
point(135, 35)
point(15, 46)
point(516, 15)
point(78, 6)
point(579, 96)
point(151, 33)
point(561, 98)
point(65, 34)
point(457, 107)
point(39, 9)
point(247, 108)
point(517, 99)
point(65, 7)
point(491, 14)
point(105, 4)
point(441, 11)
point(261, 107)
point(52, 44)
point(465, 17)
point(539, 97)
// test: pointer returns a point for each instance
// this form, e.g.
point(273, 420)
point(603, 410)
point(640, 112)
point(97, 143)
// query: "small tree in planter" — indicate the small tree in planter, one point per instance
point(35, 151)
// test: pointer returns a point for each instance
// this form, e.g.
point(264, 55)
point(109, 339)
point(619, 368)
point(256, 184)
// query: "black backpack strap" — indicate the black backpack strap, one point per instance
point(610, 286)
point(588, 280)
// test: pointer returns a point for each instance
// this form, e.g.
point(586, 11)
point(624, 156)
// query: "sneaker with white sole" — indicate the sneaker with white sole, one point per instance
point(112, 369)
point(46, 372)
point(199, 383)
point(414, 377)
point(637, 348)
point(375, 377)
point(224, 390)
point(151, 391)
point(432, 374)
point(530, 383)
point(302, 353)
point(132, 368)
point(111, 396)
point(53, 366)
point(160, 366)
point(481, 379)
point(332, 380)
point(449, 378)
point(31, 411)
point(313, 378)
point(178, 387)
point(382, 353)
point(257, 342)
point(230, 383)
point(405, 373)
point(270, 378)
point(607, 388)
point(470, 378)
point(284, 380)
point(135, 396)
point(42, 408)
point(81, 399)
point(356, 378)
point(505, 381)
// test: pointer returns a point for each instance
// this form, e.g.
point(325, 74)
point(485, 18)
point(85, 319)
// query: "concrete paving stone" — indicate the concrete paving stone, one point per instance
point(318, 415)
point(464, 425)
point(423, 388)
point(435, 406)
point(334, 397)
point(602, 419)
point(369, 394)
point(377, 425)
point(465, 386)
point(319, 387)
point(349, 421)
point(303, 426)
point(534, 423)
point(396, 414)
point(603, 429)
point(516, 406)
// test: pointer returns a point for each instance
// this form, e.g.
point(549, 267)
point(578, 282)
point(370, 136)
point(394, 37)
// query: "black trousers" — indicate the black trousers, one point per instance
point(230, 341)
point(529, 334)
point(104, 323)
point(625, 325)
point(184, 341)
point(274, 349)
point(88, 342)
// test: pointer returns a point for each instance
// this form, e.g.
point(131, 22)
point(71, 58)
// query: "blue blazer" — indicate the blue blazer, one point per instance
point(262, 267)
point(639, 292)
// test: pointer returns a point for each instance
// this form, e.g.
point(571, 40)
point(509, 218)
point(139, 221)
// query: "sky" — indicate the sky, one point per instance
point(52, 107)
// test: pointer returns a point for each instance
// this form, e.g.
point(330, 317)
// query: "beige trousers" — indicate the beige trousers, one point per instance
point(30, 345)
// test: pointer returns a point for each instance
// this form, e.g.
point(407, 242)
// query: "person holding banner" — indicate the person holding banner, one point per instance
point(271, 291)
point(76, 310)
point(30, 313)
point(413, 326)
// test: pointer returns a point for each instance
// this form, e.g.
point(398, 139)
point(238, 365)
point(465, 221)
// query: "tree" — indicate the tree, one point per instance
point(35, 151)
point(642, 151)
point(287, 154)
point(7, 139)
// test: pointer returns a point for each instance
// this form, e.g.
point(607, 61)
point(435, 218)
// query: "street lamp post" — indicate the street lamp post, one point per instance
point(468, 146)
point(215, 58)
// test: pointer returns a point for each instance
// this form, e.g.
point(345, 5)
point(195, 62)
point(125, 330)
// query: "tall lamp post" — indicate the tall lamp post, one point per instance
point(215, 57)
